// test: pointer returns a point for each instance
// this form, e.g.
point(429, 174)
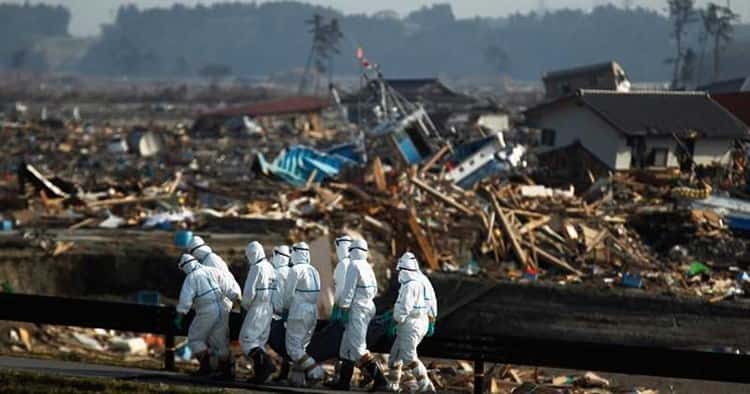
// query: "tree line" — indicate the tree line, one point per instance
point(22, 27)
point(258, 39)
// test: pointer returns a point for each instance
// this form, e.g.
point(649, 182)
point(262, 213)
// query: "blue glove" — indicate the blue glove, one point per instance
point(431, 328)
point(336, 314)
point(284, 314)
point(345, 315)
point(178, 321)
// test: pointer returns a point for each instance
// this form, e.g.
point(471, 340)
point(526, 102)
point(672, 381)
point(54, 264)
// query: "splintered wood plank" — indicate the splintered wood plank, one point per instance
point(424, 244)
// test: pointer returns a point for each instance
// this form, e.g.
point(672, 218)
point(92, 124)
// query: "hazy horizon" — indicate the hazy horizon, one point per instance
point(88, 15)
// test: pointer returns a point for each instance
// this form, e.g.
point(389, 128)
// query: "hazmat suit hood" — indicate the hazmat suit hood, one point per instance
point(300, 253)
point(199, 248)
point(254, 253)
point(408, 268)
point(187, 263)
point(281, 255)
point(358, 250)
point(342, 247)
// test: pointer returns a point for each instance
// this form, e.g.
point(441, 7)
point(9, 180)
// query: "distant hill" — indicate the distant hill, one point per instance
point(22, 27)
point(271, 38)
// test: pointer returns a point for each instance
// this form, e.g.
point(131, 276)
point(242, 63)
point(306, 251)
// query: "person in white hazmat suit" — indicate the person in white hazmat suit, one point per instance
point(204, 290)
point(207, 257)
point(339, 277)
point(203, 253)
point(301, 293)
point(339, 274)
point(356, 302)
point(256, 300)
point(281, 262)
point(411, 316)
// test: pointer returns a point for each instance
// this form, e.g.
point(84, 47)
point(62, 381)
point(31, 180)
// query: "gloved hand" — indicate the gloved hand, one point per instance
point(345, 315)
point(390, 323)
point(392, 328)
point(336, 314)
point(284, 314)
point(431, 328)
point(178, 321)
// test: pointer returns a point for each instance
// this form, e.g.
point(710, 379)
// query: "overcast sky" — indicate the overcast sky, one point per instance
point(88, 15)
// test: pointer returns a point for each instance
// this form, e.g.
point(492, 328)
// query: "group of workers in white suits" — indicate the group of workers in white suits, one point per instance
point(286, 289)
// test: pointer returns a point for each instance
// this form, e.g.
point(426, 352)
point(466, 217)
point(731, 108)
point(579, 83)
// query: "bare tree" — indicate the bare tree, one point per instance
point(325, 46)
point(717, 25)
point(682, 13)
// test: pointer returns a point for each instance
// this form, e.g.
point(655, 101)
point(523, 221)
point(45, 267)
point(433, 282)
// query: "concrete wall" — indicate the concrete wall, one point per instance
point(572, 122)
point(708, 151)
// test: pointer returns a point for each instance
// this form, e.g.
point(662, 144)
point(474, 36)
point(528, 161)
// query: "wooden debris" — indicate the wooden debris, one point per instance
point(425, 247)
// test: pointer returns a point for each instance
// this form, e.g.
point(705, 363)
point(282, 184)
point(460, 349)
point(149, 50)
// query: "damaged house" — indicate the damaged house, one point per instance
point(432, 94)
point(630, 130)
point(297, 113)
point(604, 76)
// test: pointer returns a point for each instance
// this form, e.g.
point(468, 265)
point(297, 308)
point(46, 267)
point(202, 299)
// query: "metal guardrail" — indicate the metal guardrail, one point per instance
point(608, 357)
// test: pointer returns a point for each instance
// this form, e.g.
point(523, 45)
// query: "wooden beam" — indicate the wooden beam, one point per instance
point(510, 231)
point(127, 200)
point(552, 259)
point(434, 159)
point(532, 225)
point(379, 175)
point(442, 197)
point(424, 244)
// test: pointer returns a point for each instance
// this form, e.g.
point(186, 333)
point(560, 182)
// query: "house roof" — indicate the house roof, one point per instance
point(569, 72)
point(288, 105)
point(727, 86)
point(655, 113)
point(737, 103)
point(418, 89)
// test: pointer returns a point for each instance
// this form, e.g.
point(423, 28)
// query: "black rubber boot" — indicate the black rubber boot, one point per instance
point(345, 376)
point(375, 372)
point(262, 365)
point(205, 365)
point(226, 370)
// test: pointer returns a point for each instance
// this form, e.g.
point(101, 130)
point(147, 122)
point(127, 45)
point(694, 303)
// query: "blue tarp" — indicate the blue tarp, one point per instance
point(296, 164)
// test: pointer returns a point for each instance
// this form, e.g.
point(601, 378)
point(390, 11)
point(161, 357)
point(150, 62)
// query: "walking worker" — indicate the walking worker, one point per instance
point(204, 289)
point(301, 293)
point(339, 274)
point(207, 257)
point(411, 319)
point(358, 308)
point(256, 300)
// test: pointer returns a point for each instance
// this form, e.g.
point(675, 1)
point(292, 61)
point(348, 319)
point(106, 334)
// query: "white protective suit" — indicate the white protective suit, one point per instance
point(429, 296)
point(204, 290)
point(359, 290)
point(256, 299)
point(201, 251)
point(301, 293)
point(280, 261)
point(342, 257)
point(411, 313)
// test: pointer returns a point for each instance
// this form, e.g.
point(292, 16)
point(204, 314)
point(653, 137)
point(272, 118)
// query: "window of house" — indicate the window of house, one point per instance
point(658, 157)
point(548, 137)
